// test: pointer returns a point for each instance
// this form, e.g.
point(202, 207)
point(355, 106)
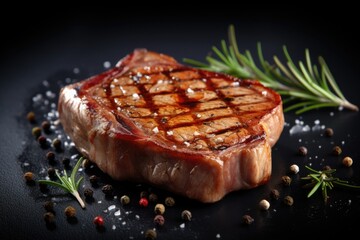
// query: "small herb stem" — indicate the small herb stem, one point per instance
point(78, 198)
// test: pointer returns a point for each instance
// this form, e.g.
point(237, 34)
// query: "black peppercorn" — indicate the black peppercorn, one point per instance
point(93, 179)
point(88, 193)
point(286, 180)
point(247, 219)
point(42, 141)
point(107, 189)
point(143, 194)
point(153, 197)
point(186, 215)
point(51, 172)
point(36, 132)
point(29, 176)
point(56, 143)
point(329, 132)
point(336, 151)
point(66, 162)
point(45, 125)
point(288, 200)
point(31, 117)
point(50, 156)
point(49, 217)
point(150, 234)
point(169, 201)
point(70, 212)
point(302, 151)
point(159, 220)
point(49, 206)
point(274, 194)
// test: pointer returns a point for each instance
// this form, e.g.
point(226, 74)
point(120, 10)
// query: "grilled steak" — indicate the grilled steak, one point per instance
point(196, 133)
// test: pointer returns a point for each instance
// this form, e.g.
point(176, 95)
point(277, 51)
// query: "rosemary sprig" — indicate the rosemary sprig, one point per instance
point(325, 181)
point(68, 183)
point(313, 86)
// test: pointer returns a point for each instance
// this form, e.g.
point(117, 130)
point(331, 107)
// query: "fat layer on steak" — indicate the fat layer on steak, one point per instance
point(196, 133)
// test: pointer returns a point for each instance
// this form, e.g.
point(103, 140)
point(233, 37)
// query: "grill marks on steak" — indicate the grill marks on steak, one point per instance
point(197, 133)
point(190, 108)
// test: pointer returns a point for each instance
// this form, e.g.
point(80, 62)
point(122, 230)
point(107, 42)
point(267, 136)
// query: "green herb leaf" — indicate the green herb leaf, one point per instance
point(312, 88)
point(325, 180)
point(69, 184)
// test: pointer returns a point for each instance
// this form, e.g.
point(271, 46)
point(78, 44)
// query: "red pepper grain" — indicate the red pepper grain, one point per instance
point(99, 221)
point(143, 202)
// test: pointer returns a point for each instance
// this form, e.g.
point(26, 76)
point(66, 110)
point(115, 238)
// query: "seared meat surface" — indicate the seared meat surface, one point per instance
point(193, 132)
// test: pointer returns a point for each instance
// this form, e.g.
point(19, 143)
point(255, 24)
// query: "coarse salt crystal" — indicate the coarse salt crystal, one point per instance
point(198, 115)
point(117, 213)
point(170, 133)
point(137, 217)
point(187, 143)
point(196, 133)
point(111, 207)
point(155, 130)
point(107, 64)
point(235, 84)
point(123, 223)
point(76, 70)
point(182, 225)
point(218, 235)
point(189, 90)
point(113, 227)
point(136, 96)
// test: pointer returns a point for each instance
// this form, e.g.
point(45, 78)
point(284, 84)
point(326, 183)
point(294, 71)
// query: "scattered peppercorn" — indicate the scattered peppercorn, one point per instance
point(159, 209)
point(56, 143)
point(31, 117)
point(153, 197)
point(294, 169)
point(70, 212)
point(42, 141)
point(347, 161)
point(169, 201)
point(143, 202)
point(302, 151)
point(286, 180)
point(66, 162)
point(86, 163)
point(36, 132)
point(50, 156)
point(186, 215)
point(247, 219)
point(336, 151)
point(29, 176)
point(45, 125)
point(150, 234)
point(125, 200)
point(93, 179)
point(159, 220)
point(88, 193)
point(327, 167)
point(264, 204)
point(49, 206)
point(143, 194)
point(98, 221)
point(329, 132)
point(51, 172)
point(49, 217)
point(274, 194)
point(288, 200)
point(107, 189)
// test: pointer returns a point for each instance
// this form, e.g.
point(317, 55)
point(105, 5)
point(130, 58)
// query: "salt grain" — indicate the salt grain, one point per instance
point(107, 64)
point(137, 217)
point(218, 235)
point(170, 133)
point(113, 227)
point(136, 96)
point(112, 207)
point(117, 213)
point(76, 70)
point(123, 223)
point(155, 130)
point(182, 225)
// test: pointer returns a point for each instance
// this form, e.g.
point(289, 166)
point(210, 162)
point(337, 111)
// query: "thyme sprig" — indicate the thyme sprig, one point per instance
point(325, 181)
point(68, 183)
point(313, 86)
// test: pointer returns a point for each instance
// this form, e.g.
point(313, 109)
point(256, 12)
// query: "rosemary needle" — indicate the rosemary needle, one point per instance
point(304, 87)
point(68, 183)
point(325, 181)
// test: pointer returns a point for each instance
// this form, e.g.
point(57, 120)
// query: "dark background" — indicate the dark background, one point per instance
point(39, 41)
